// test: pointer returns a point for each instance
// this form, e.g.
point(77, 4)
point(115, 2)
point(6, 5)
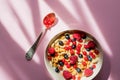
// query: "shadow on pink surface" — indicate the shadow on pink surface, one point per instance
point(12, 60)
point(107, 15)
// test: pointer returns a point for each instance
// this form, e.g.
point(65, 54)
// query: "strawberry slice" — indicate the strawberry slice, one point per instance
point(88, 72)
point(67, 75)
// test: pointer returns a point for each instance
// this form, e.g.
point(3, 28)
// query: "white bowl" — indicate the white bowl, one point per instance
point(58, 76)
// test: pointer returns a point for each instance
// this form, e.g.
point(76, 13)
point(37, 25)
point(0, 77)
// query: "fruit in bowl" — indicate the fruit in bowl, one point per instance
point(73, 55)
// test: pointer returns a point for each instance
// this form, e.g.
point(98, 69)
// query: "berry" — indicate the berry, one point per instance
point(80, 56)
point(89, 57)
point(49, 58)
point(68, 66)
point(73, 59)
point(61, 63)
point(76, 36)
point(85, 58)
point(57, 70)
point(67, 36)
point(61, 43)
point(83, 35)
point(91, 44)
point(78, 70)
point(67, 75)
point(75, 66)
point(66, 56)
point(96, 51)
point(72, 52)
point(84, 53)
point(84, 63)
point(88, 72)
point(73, 46)
point(51, 51)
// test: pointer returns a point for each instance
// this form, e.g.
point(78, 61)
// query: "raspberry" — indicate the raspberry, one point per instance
point(96, 51)
point(88, 72)
point(76, 36)
point(67, 75)
point(91, 44)
point(51, 50)
point(73, 59)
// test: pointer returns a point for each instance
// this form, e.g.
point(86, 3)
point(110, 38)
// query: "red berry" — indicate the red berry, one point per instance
point(72, 52)
point(85, 58)
point(94, 66)
point(68, 65)
point(76, 36)
point(73, 59)
point(66, 48)
point(84, 63)
point(73, 77)
point(65, 62)
point(75, 66)
point(91, 53)
point(80, 40)
point(51, 50)
point(84, 53)
point(93, 56)
point(96, 51)
point(74, 43)
point(88, 72)
point(60, 68)
point(67, 75)
point(91, 44)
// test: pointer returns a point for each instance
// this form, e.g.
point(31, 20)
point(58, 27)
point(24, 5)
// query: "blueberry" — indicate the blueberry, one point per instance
point(61, 43)
point(61, 63)
point(67, 36)
point(89, 58)
point(78, 70)
point(65, 56)
point(73, 46)
point(57, 70)
point(88, 49)
point(80, 56)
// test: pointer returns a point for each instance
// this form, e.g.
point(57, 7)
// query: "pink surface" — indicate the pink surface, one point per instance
point(21, 22)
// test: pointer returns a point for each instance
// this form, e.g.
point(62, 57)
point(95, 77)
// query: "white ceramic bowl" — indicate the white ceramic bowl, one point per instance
point(58, 76)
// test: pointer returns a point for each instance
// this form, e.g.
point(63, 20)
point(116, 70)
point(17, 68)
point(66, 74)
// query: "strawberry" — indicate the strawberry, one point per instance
point(67, 75)
point(96, 51)
point(88, 72)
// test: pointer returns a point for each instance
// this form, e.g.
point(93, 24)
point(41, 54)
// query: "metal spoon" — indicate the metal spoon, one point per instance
point(48, 21)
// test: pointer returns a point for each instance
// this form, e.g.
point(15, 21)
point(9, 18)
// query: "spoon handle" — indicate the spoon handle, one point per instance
point(33, 48)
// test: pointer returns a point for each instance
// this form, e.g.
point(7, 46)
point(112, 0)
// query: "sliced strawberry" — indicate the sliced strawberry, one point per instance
point(73, 59)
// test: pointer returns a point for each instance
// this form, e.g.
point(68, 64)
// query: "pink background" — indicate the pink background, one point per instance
point(21, 23)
